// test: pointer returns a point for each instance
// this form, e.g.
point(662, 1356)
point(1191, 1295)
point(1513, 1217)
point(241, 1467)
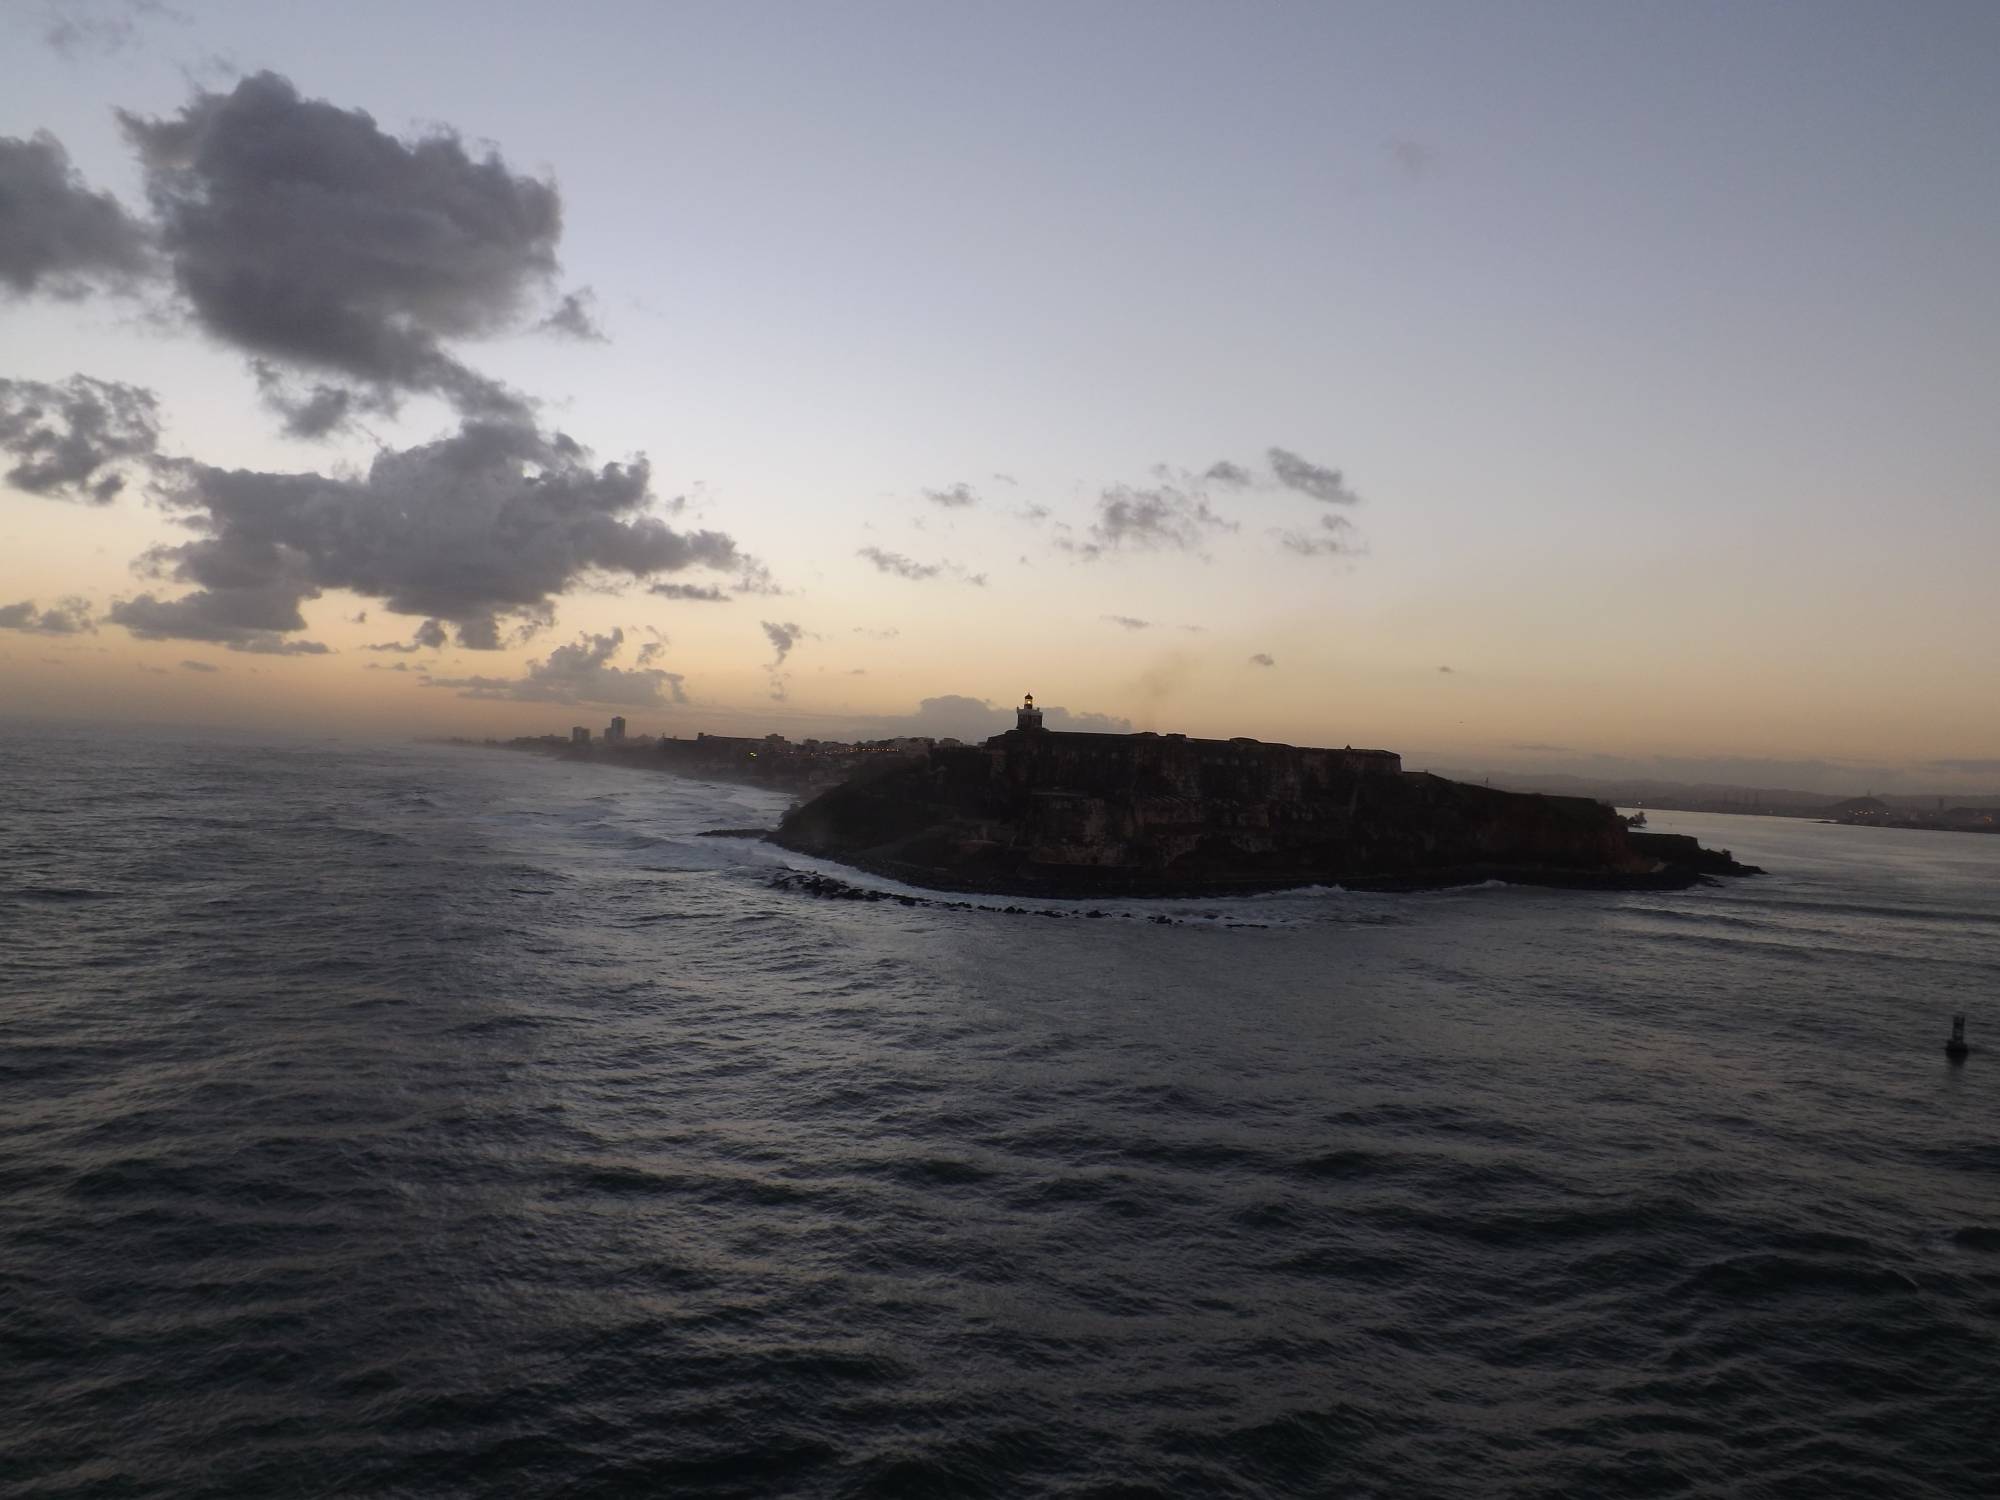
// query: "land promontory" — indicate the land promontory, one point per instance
point(1041, 813)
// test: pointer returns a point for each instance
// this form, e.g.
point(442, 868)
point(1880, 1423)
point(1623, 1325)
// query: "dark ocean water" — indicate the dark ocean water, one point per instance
point(418, 1121)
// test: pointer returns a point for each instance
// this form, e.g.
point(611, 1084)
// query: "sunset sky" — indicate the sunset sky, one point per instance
point(1557, 387)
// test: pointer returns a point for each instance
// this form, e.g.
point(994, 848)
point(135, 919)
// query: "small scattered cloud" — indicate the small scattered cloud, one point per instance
point(1229, 475)
point(573, 318)
point(430, 636)
point(1446, 670)
point(1413, 159)
point(1128, 622)
point(887, 633)
point(903, 567)
point(199, 666)
point(1335, 538)
point(1312, 479)
point(68, 616)
point(1263, 659)
point(75, 440)
point(73, 28)
point(690, 592)
point(1006, 479)
point(953, 496)
point(580, 672)
point(1165, 518)
point(783, 637)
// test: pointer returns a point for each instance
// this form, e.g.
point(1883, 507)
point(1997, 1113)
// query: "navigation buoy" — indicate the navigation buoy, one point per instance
point(1955, 1049)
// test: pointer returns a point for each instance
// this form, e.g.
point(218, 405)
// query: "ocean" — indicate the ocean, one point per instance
point(430, 1121)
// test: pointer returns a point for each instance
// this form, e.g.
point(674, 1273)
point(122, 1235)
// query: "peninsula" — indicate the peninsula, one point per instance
point(1040, 813)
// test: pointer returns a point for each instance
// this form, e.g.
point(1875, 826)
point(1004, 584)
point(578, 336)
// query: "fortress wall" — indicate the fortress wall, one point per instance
point(1173, 766)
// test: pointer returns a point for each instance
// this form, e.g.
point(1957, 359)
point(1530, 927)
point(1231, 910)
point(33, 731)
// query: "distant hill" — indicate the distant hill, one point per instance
point(1715, 797)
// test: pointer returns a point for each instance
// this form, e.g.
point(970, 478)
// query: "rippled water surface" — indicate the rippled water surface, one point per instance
point(429, 1121)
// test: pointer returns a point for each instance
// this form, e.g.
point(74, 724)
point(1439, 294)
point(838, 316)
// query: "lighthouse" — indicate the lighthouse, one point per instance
point(1027, 716)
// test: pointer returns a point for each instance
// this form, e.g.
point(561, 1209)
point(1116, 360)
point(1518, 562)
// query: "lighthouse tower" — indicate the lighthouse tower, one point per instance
point(1027, 716)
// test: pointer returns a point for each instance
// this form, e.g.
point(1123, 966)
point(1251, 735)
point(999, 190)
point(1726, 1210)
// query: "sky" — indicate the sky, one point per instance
point(1556, 387)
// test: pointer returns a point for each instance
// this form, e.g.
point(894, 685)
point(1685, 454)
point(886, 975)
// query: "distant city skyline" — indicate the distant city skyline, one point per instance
point(1568, 389)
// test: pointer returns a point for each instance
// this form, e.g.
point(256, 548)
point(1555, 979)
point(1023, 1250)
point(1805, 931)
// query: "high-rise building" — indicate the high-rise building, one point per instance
point(614, 733)
point(578, 735)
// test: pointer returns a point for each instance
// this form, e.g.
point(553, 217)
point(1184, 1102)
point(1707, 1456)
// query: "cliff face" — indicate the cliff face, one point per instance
point(1059, 814)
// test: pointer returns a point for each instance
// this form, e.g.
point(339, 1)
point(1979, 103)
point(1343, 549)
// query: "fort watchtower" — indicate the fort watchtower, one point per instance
point(1027, 716)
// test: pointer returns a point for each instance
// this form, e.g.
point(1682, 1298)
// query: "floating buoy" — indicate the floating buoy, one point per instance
point(1955, 1049)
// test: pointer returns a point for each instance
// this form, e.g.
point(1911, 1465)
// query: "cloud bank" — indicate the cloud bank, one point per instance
point(481, 529)
point(303, 234)
point(57, 236)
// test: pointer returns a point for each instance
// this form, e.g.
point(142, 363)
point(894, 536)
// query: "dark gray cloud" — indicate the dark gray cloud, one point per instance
point(1129, 622)
point(1336, 538)
point(429, 636)
point(199, 666)
point(315, 408)
point(953, 496)
point(1165, 518)
point(488, 525)
point(573, 318)
point(1263, 659)
point(783, 638)
point(1229, 475)
point(301, 232)
point(703, 593)
point(256, 619)
point(1295, 473)
point(73, 440)
point(68, 616)
point(578, 673)
point(56, 235)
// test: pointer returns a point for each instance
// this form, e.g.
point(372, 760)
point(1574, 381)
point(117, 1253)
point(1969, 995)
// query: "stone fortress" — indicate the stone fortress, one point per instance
point(1031, 758)
point(1043, 812)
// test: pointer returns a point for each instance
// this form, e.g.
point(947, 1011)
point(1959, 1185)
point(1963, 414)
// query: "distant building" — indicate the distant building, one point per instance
point(1027, 716)
point(578, 735)
point(614, 733)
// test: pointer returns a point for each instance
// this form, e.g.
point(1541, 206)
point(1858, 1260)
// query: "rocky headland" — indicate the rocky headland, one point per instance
point(1043, 814)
